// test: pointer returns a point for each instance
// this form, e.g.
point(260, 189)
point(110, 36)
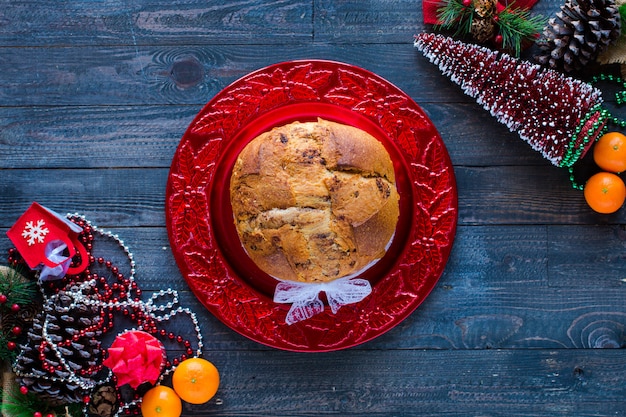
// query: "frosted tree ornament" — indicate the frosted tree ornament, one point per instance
point(556, 115)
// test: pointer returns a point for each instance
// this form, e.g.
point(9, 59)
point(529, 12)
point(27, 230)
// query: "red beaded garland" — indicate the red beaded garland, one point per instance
point(115, 293)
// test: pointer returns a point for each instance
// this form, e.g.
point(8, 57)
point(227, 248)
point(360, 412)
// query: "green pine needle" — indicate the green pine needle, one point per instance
point(6, 355)
point(517, 26)
point(17, 290)
point(454, 15)
point(17, 404)
point(622, 13)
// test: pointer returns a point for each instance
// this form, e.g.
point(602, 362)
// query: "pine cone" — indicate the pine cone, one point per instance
point(485, 8)
point(483, 25)
point(482, 29)
point(69, 324)
point(581, 30)
point(103, 402)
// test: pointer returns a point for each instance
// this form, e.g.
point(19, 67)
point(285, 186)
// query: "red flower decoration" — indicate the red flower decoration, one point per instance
point(135, 357)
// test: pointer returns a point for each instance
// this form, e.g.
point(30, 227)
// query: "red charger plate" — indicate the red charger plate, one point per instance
point(200, 221)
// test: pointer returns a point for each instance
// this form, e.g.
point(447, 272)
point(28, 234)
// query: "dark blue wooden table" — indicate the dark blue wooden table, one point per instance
point(529, 317)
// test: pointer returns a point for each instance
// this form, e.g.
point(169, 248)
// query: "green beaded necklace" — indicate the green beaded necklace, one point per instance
point(598, 127)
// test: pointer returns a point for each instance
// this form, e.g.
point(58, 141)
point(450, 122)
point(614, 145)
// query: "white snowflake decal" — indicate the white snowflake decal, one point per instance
point(35, 233)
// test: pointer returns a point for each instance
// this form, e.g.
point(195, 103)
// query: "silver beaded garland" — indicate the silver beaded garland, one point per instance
point(151, 309)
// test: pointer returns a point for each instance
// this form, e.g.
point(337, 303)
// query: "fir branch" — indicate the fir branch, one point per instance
point(518, 26)
point(6, 355)
point(15, 288)
point(16, 404)
point(455, 15)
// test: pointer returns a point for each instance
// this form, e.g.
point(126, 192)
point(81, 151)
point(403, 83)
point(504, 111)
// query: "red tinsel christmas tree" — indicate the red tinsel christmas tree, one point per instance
point(557, 115)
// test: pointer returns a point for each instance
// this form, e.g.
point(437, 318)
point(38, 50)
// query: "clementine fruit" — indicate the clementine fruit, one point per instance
point(609, 152)
point(161, 401)
point(605, 192)
point(196, 380)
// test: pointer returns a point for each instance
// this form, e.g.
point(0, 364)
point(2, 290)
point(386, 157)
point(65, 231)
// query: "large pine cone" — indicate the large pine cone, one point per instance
point(581, 30)
point(70, 325)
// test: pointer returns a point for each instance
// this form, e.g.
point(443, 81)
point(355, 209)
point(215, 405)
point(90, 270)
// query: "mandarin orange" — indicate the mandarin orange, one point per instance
point(609, 152)
point(196, 380)
point(161, 401)
point(605, 192)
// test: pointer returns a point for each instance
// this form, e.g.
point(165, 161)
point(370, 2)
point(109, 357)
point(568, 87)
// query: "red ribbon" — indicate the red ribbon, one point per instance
point(430, 8)
point(135, 357)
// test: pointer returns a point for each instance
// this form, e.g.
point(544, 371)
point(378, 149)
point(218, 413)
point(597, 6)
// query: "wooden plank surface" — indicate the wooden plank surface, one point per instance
point(529, 316)
point(398, 383)
point(190, 74)
point(50, 23)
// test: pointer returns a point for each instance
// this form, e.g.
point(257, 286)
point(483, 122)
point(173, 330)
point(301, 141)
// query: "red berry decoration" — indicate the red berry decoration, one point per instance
point(3, 298)
point(11, 346)
point(23, 390)
point(15, 308)
point(37, 414)
point(17, 330)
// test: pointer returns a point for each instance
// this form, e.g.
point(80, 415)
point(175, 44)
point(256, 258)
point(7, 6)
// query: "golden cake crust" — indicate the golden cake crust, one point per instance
point(314, 201)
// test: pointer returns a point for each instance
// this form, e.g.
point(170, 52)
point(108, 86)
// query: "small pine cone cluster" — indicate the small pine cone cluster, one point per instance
point(581, 30)
point(63, 349)
point(483, 25)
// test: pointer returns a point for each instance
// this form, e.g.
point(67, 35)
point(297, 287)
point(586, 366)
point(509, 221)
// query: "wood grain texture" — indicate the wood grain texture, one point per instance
point(45, 23)
point(523, 195)
point(41, 23)
point(366, 22)
point(91, 136)
point(163, 74)
point(482, 383)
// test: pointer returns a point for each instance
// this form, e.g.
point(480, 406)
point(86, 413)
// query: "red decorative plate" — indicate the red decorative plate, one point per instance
point(199, 217)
